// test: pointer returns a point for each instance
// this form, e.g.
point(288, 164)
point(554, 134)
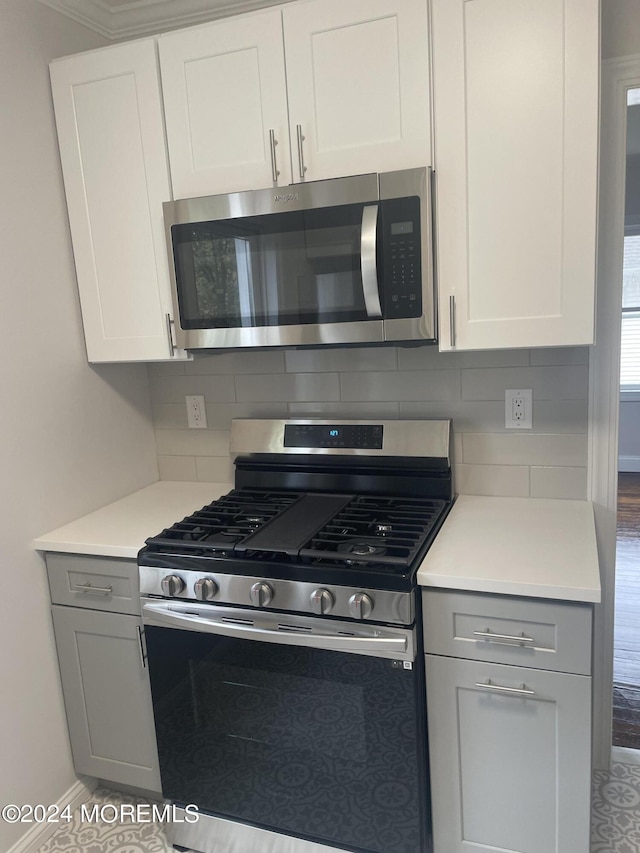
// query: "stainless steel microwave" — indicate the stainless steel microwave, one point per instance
point(341, 261)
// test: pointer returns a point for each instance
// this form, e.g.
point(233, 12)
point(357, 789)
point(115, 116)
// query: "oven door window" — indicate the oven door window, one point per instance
point(271, 270)
point(320, 744)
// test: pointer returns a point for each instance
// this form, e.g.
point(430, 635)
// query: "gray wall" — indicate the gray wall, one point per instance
point(72, 438)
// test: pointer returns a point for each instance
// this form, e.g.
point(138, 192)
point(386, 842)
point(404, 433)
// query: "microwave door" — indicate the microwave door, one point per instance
point(291, 278)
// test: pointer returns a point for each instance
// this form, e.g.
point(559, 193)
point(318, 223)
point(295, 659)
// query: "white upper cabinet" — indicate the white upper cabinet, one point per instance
point(516, 135)
point(358, 86)
point(346, 93)
point(110, 131)
point(225, 99)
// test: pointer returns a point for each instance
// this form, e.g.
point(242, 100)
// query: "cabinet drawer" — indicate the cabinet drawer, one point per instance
point(99, 583)
point(501, 629)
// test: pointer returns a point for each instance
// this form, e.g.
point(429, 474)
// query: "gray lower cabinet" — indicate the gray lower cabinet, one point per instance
point(510, 745)
point(105, 681)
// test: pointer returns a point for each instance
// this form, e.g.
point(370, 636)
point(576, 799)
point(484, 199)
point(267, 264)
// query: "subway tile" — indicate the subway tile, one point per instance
point(177, 468)
point(220, 415)
point(353, 411)
point(490, 384)
point(466, 416)
point(166, 368)
point(561, 416)
point(560, 355)
point(557, 482)
point(247, 361)
point(457, 447)
point(330, 360)
point(288, 387)
point(518, 449)
point(169, 415)
point(548, 383)
point(192, 442)
point(495, 480)
point(215, 469)
point(173, 389)
point(561, 383)
point(488, 415)
point(429, 358)
point(400, 386)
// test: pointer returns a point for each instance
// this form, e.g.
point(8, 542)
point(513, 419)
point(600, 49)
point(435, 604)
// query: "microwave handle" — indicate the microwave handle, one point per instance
point(368, 264)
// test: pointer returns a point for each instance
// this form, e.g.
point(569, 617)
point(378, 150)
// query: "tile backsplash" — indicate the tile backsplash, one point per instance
point(390, 382)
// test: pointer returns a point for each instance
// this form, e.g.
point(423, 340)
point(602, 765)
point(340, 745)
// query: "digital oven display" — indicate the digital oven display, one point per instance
point(358, 436)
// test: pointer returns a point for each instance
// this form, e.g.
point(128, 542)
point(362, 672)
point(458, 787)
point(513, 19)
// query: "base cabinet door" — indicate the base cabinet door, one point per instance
point(107, 696)
point(510, 758)
point(516, 161)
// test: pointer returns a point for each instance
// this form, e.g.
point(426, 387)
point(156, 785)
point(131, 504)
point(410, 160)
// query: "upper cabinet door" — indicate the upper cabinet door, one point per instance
point(226, 105)
point(109, 119)
point(516, 136)
point(358, 83)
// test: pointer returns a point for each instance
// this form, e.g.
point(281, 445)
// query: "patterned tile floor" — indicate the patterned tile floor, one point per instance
point(105, 836)
point(615, 821)
point(615, 816)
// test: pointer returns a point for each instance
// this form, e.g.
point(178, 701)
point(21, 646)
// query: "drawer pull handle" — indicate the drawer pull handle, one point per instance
point(505, 639)
point(514, 691)
point(93, 590)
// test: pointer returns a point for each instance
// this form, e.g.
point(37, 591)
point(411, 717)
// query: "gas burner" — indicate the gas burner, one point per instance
point(252, 520)
point(361, 548)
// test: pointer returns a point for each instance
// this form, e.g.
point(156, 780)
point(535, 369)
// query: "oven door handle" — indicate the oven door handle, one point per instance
point(368, 261)
point(162, 613)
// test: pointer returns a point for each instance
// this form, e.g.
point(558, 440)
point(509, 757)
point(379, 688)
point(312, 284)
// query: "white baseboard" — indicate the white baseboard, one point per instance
point(629, 464)
point(38, 833)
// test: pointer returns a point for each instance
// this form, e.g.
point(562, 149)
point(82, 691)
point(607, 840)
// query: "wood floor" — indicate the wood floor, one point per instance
point(626, 656)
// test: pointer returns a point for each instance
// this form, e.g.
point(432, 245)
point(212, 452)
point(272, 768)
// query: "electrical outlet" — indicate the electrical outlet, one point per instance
point(518, 408)
point(196, 412)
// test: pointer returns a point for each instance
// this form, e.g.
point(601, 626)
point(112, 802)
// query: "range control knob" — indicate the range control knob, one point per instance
point(321, 601)
point(205, 588)
point(261, 594)
point(172, 585)
point(360, 605)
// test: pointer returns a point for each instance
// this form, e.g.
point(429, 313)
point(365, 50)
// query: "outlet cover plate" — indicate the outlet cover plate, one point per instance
point(518, 408)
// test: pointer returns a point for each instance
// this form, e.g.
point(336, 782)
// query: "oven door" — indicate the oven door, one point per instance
point(308, 727)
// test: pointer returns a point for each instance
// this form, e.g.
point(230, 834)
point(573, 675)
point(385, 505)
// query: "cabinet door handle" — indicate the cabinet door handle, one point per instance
point(143, 657)
point(274, 164)
point(452, 320)
point(172, 348)
point(92, 590)
point(504, 639)
point(301, 139)
point(514, 691)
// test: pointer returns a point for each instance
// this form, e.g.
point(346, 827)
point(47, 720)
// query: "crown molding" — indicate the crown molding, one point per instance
point(121, 19)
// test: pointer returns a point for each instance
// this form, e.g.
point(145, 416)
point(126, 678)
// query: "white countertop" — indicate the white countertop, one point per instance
point(516, 546)
point(510, 546)
point(120, 529)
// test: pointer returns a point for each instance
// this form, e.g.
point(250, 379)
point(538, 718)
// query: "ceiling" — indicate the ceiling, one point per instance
point(119, 19)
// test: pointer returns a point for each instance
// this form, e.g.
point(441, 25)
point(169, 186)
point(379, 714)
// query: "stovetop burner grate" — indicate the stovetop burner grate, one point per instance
point(368, 530)
point(371, 529)
point(227, 521)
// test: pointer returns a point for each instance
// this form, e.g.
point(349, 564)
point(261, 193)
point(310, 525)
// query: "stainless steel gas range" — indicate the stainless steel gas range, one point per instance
point(282, 628)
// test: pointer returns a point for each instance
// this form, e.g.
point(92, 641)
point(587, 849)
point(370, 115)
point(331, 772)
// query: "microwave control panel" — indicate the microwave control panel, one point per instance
point(402, 267)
